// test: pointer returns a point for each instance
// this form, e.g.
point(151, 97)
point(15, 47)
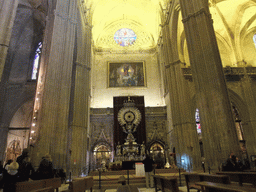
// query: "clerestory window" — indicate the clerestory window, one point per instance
point(36, 62)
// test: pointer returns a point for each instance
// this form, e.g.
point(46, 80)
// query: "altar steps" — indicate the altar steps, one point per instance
point(132, 172)
point(109, 179)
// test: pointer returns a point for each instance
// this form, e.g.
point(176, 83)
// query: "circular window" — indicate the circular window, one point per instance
point(125, 37)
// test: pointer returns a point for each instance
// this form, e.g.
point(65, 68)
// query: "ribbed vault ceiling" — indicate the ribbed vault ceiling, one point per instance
point(142, 16)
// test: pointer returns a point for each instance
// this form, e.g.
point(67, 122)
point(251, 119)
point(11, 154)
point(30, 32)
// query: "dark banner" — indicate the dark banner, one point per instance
point(140, 134)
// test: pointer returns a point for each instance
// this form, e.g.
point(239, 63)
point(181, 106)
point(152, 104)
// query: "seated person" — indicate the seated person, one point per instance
point(124, 187)
point(231, 164)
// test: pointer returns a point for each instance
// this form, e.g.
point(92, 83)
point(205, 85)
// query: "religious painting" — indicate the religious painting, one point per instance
point(126, 74)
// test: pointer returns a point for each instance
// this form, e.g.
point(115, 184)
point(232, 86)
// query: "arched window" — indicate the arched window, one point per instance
point(237, 118)
point(198, 125)
point(239, 130)
point(199, 131)
point(125, 37)
point(36, 62)
point(254, 39)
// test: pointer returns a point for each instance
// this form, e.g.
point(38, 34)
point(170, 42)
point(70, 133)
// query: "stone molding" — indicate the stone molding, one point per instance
point(231, 73)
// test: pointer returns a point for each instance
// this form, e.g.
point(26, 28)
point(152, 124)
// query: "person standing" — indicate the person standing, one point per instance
point(23, 156)
point(26, 169)
point(11, 177)
point(142, 149)
point(149, 166)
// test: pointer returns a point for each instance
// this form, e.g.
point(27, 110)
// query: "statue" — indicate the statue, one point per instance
point(142, 149)
point(118, 150)
point(172, 160)
point(103, 164)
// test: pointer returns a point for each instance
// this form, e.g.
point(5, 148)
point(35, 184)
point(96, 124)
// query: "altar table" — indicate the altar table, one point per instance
point(139, 167)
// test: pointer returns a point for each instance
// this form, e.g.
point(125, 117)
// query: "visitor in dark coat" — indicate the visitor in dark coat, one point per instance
point(231, 164)
point(11, 177)
point(149, 165)
point(45, 170)
point(5, 166)
point(24, 155)
point(26, 169)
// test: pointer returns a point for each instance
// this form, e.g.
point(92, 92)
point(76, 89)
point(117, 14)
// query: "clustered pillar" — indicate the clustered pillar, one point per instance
point(63, 117)
point(183, 129)
point(218, 128)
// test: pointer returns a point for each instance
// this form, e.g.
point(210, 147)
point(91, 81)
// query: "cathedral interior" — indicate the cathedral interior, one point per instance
point(92, 81)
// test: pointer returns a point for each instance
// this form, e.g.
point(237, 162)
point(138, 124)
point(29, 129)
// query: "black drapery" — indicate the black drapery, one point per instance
point(140, 134)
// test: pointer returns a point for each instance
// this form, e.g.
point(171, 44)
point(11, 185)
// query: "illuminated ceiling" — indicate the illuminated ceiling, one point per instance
point(142, 16)
point(108, 16)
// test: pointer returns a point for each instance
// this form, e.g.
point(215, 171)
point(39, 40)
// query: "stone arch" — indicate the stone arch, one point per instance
point(243, 110)
point(235, 98)
point(19, 129)
point(101, 143)
point(227, 52)
point(158, 155)
point(98, 156)
point(248, 47)
point(174, 31)
point(16, 104)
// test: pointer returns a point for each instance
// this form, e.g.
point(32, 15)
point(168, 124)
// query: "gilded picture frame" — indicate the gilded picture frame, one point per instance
point(126, 74)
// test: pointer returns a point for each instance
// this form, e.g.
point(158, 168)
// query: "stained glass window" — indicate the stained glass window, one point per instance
point(254, 39)
point(36, 62)
point(198, 125)
point(125, 37)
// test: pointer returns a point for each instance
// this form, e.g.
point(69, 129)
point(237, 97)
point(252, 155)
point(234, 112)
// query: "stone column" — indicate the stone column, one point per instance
point(218, 129)
point(249, 125)
point(80, 121)
point(54, 104)
point(7, 15)
point(183, 121)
